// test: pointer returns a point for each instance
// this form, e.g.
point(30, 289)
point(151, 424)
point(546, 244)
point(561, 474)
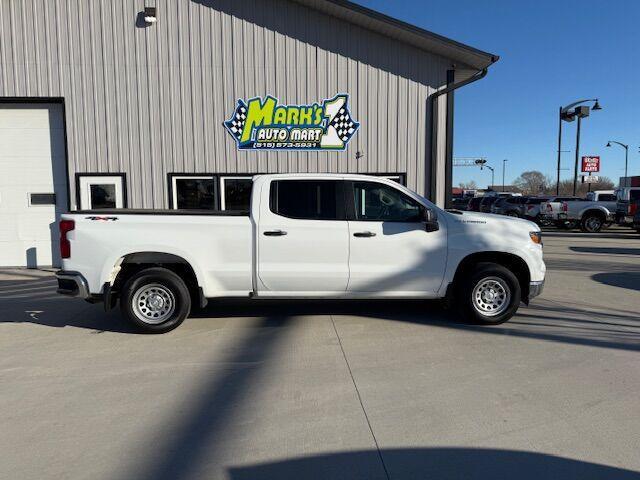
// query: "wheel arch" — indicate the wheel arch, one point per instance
point(593, 211)
point(130, 264)
point(516, 264)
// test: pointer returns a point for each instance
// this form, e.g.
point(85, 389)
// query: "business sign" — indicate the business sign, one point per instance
point(590, 164)
point(265, 124)
point(590, 179)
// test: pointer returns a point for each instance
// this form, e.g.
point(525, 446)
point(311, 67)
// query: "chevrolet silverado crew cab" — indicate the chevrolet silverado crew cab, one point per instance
point(304, 236)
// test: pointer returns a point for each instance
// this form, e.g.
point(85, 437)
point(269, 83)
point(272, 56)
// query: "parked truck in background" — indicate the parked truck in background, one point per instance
point(627, 198)
point(590, 215)
point(305, 236)
point(552, 207)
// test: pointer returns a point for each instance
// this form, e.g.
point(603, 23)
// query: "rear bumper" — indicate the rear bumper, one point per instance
point(72, 284)
point(535, 289)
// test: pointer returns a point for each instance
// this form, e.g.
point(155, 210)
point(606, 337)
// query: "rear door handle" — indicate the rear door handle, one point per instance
point(364, 234)
point(275, 233)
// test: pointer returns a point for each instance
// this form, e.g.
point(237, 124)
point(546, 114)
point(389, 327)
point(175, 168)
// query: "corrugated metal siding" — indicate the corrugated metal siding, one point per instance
point(151, 100)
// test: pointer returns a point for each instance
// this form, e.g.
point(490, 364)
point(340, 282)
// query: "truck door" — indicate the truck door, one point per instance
point(303, 238)
point(391, 251)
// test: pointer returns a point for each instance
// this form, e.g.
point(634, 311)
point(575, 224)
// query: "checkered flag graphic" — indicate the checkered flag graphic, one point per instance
point(237, 122)
point(344, 124)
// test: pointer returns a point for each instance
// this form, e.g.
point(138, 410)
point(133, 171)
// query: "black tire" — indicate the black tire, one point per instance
point(592, 223)
point(489, 272)
point(170, 293)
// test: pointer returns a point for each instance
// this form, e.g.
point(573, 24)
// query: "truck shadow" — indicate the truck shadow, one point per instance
point(436, 463)
point(607, 250)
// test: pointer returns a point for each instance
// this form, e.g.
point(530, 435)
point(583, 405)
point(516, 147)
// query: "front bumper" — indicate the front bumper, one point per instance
point(535, 289)
point(72, 284)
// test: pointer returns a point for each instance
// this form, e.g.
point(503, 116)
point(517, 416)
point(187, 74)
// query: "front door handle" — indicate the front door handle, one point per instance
point(364, 234)
point(275, 233)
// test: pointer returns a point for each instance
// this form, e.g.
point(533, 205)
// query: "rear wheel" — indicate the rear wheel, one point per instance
point(592, 223)
point(155, 300)
point(490, 295)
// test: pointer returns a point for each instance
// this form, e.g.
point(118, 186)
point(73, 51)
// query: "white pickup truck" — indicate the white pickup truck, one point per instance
point(597, 211)
point(305, 236)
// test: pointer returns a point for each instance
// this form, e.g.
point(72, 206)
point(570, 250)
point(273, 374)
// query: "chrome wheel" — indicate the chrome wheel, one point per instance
point(153, 303)
point(593, 224)
point(491, 296)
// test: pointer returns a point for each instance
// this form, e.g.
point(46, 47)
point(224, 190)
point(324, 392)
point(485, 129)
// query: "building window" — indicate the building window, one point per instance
point(235, 193)
point(305, 199)
point(101, 191)
point(193, 192)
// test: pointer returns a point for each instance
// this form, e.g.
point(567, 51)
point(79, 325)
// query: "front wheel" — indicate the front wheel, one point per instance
point(155, 300)
point(490, 295)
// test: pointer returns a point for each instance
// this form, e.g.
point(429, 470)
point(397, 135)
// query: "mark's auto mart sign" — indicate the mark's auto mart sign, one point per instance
point(590, 164)
point(265, 124)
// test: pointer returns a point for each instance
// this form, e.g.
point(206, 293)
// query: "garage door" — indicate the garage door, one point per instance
point(33, 183)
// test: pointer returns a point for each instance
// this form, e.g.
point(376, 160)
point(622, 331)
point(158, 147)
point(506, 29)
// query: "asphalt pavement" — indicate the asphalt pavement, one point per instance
point(332, 390)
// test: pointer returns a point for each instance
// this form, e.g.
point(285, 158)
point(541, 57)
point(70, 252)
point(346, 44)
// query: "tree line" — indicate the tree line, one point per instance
point(534, 182)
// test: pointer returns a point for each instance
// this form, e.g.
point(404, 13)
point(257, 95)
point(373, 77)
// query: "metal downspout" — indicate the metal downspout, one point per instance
point(449, 135)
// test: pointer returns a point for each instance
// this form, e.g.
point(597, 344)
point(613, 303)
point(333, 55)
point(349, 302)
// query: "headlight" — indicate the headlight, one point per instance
point(536, 237)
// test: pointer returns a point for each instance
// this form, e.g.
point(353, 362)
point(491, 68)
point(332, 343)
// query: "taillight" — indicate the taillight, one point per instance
point(65, 246)
point(565, 207)
point(529, 207)
point(633, 208)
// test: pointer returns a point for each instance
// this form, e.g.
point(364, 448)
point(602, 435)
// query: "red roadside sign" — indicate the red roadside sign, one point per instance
point(590, 164)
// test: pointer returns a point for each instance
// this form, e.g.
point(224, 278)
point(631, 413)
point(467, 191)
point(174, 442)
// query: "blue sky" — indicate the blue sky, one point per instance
point(551, 53)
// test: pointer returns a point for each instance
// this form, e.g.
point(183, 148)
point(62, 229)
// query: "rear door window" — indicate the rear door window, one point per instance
point(306, 199)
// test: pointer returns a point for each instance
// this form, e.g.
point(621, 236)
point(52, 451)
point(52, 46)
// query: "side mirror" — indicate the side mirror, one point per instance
point(430, 219)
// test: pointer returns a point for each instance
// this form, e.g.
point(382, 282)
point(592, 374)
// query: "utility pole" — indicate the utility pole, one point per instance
point(504, 163)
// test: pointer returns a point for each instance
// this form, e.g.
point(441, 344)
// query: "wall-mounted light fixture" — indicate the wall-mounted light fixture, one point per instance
point(150, 15)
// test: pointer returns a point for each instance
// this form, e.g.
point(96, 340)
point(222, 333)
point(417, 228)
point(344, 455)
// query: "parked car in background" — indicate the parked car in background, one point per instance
point(627, 199)
point(460, 203)
point(474, 204)
point(301, 238)
point(487, 202)
point(511, 206)
point(550, 209)
point(636, 216)
point(601, 196)
point(532, 208)
point(590, 216)
point(490, 198)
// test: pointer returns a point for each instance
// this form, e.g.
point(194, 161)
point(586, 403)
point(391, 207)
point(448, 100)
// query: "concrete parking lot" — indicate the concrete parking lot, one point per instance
point(332, 390)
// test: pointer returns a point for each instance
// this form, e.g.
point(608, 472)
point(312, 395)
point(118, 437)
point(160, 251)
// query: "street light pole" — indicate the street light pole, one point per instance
point(492, 174)
point(626, 154)
point(504, 163)
point(575, 168)
point(559, 149)
point(567, 115)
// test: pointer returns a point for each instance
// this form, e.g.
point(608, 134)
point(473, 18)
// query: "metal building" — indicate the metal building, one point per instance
point(123, 103)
